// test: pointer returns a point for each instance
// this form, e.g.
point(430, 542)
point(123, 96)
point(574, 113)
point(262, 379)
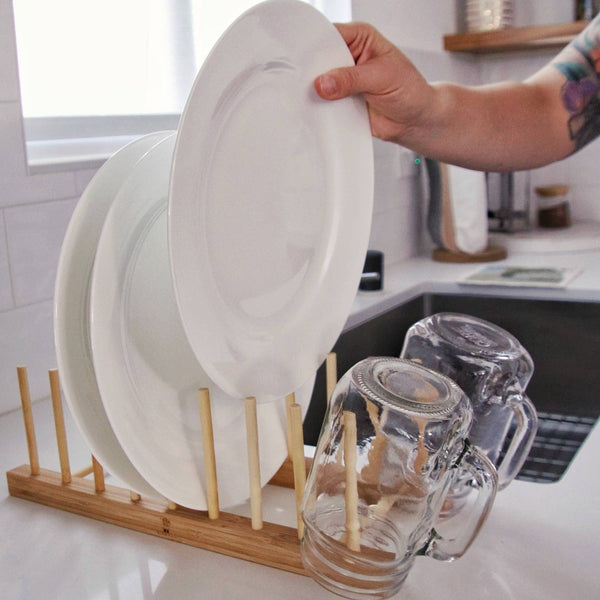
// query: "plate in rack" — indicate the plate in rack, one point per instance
point(270, 202)
point(71, 311)
point(147, 374)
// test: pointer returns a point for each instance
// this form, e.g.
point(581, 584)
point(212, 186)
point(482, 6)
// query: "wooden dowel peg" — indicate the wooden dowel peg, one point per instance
point(253, 463)
point(330, 374)
point(210, 464)
point(351, 492)
point(98, 475)
point(134, 496)
point(290, 400)
point(298, 462)
point(59, 424)
point(84, 472)
point(171, 505)
point(34, 463)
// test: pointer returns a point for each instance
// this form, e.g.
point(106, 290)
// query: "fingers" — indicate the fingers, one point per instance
point(334, 85)
point(366, 45)
point(338, 83)
point(351, 33)
point(345, 81)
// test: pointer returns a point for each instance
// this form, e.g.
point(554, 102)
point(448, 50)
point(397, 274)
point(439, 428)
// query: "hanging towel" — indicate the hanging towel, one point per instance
point(457, 216)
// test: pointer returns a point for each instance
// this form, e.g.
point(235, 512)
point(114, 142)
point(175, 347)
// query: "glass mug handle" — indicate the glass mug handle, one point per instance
point(478, 466)
point(519, 447)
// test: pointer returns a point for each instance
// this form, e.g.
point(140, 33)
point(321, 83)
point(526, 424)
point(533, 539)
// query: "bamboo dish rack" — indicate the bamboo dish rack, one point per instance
point(250, 539)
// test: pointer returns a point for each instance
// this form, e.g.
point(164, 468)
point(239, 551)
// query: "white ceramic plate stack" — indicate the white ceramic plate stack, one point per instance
point(72, 311)
point(269, 195)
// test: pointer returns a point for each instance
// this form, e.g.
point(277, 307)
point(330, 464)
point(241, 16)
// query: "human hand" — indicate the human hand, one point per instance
point(397, 95)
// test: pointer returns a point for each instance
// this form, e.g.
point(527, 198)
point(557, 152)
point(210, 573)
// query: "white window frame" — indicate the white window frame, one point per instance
point(73, 142)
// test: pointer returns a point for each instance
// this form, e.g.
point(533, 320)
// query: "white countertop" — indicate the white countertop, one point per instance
point(410, 278)
point(541, 541)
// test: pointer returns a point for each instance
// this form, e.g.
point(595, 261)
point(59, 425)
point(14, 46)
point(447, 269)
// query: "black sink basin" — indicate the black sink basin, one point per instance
point(563, 338)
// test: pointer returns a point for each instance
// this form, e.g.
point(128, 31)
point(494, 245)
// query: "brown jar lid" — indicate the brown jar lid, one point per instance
point(550, 191)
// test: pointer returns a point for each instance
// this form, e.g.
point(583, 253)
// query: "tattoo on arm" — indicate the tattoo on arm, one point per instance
point(580, 64)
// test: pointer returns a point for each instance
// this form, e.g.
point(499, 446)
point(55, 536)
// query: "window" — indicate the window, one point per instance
point(95, 74)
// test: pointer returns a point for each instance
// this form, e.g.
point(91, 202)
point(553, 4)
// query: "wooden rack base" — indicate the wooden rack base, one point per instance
point(273, 545)
point(225, 533)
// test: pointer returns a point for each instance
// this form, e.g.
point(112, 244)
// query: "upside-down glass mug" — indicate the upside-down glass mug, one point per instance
point(493, 369)
point(392, 442)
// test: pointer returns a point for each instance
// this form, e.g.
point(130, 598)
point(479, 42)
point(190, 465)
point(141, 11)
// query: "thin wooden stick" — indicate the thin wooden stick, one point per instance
point(331, 374)
point(59, 424)
point(351, 492)
point(34, 462)
point(290, 400)
point(253, 463)
point(84, 472)
point(208, 443)
point(298, 461)
point(98, 475)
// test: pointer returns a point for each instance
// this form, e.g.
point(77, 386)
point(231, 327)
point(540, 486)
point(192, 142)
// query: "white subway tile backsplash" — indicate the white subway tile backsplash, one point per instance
point(39, 188)
point(6, 301)
point(82, 179)
point(585, 202)
point(442, 66)
point(387, 175)
point(16, 186)
point(496, 68)
point(395, 232)
point(558, 172)
point(542, 12)
point(27, 339)
point(9, 76)
point(583, 165)
point(12, 149)
point(35, 234)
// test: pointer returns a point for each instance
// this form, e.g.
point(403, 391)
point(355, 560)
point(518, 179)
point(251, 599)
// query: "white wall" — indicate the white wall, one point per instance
point(35, 210)
point(34, 213)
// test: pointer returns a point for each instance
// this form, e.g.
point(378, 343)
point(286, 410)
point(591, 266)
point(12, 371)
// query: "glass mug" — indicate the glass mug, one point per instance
point(493, 369)
point(392, 442)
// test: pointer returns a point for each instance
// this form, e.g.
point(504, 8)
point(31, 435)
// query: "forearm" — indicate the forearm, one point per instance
point(508, 126)
point(501, 127)
point(512, 126)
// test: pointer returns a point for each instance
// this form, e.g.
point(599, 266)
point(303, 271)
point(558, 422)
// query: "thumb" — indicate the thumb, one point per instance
point(339, 83)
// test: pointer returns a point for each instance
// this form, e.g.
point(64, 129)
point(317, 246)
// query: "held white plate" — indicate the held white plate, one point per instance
point(71, 311)
point(147, 374)
point(270, 202)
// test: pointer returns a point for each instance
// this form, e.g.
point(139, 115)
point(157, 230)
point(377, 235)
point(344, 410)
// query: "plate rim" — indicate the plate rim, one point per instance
point(74, 270)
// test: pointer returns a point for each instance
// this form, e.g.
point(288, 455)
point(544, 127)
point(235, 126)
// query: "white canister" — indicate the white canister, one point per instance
point(488, 15)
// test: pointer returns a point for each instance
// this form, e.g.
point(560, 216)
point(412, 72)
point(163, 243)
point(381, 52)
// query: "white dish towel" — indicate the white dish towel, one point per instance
point(468, 207)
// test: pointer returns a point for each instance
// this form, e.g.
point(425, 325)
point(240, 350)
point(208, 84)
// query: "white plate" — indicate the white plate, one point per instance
point(270, 202)
point(71, 311)
point(147, 374)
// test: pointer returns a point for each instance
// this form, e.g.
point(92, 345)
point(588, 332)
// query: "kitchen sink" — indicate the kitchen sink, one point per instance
point(563, 338)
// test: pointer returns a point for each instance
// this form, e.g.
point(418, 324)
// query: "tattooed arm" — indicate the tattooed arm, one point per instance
point(507, 126)
point(579, 63)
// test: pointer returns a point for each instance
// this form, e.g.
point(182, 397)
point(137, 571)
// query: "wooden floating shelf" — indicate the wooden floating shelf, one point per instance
point(514, 39)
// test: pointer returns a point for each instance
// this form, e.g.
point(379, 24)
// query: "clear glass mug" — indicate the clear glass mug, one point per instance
point(493, 369)
point(393, 440)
